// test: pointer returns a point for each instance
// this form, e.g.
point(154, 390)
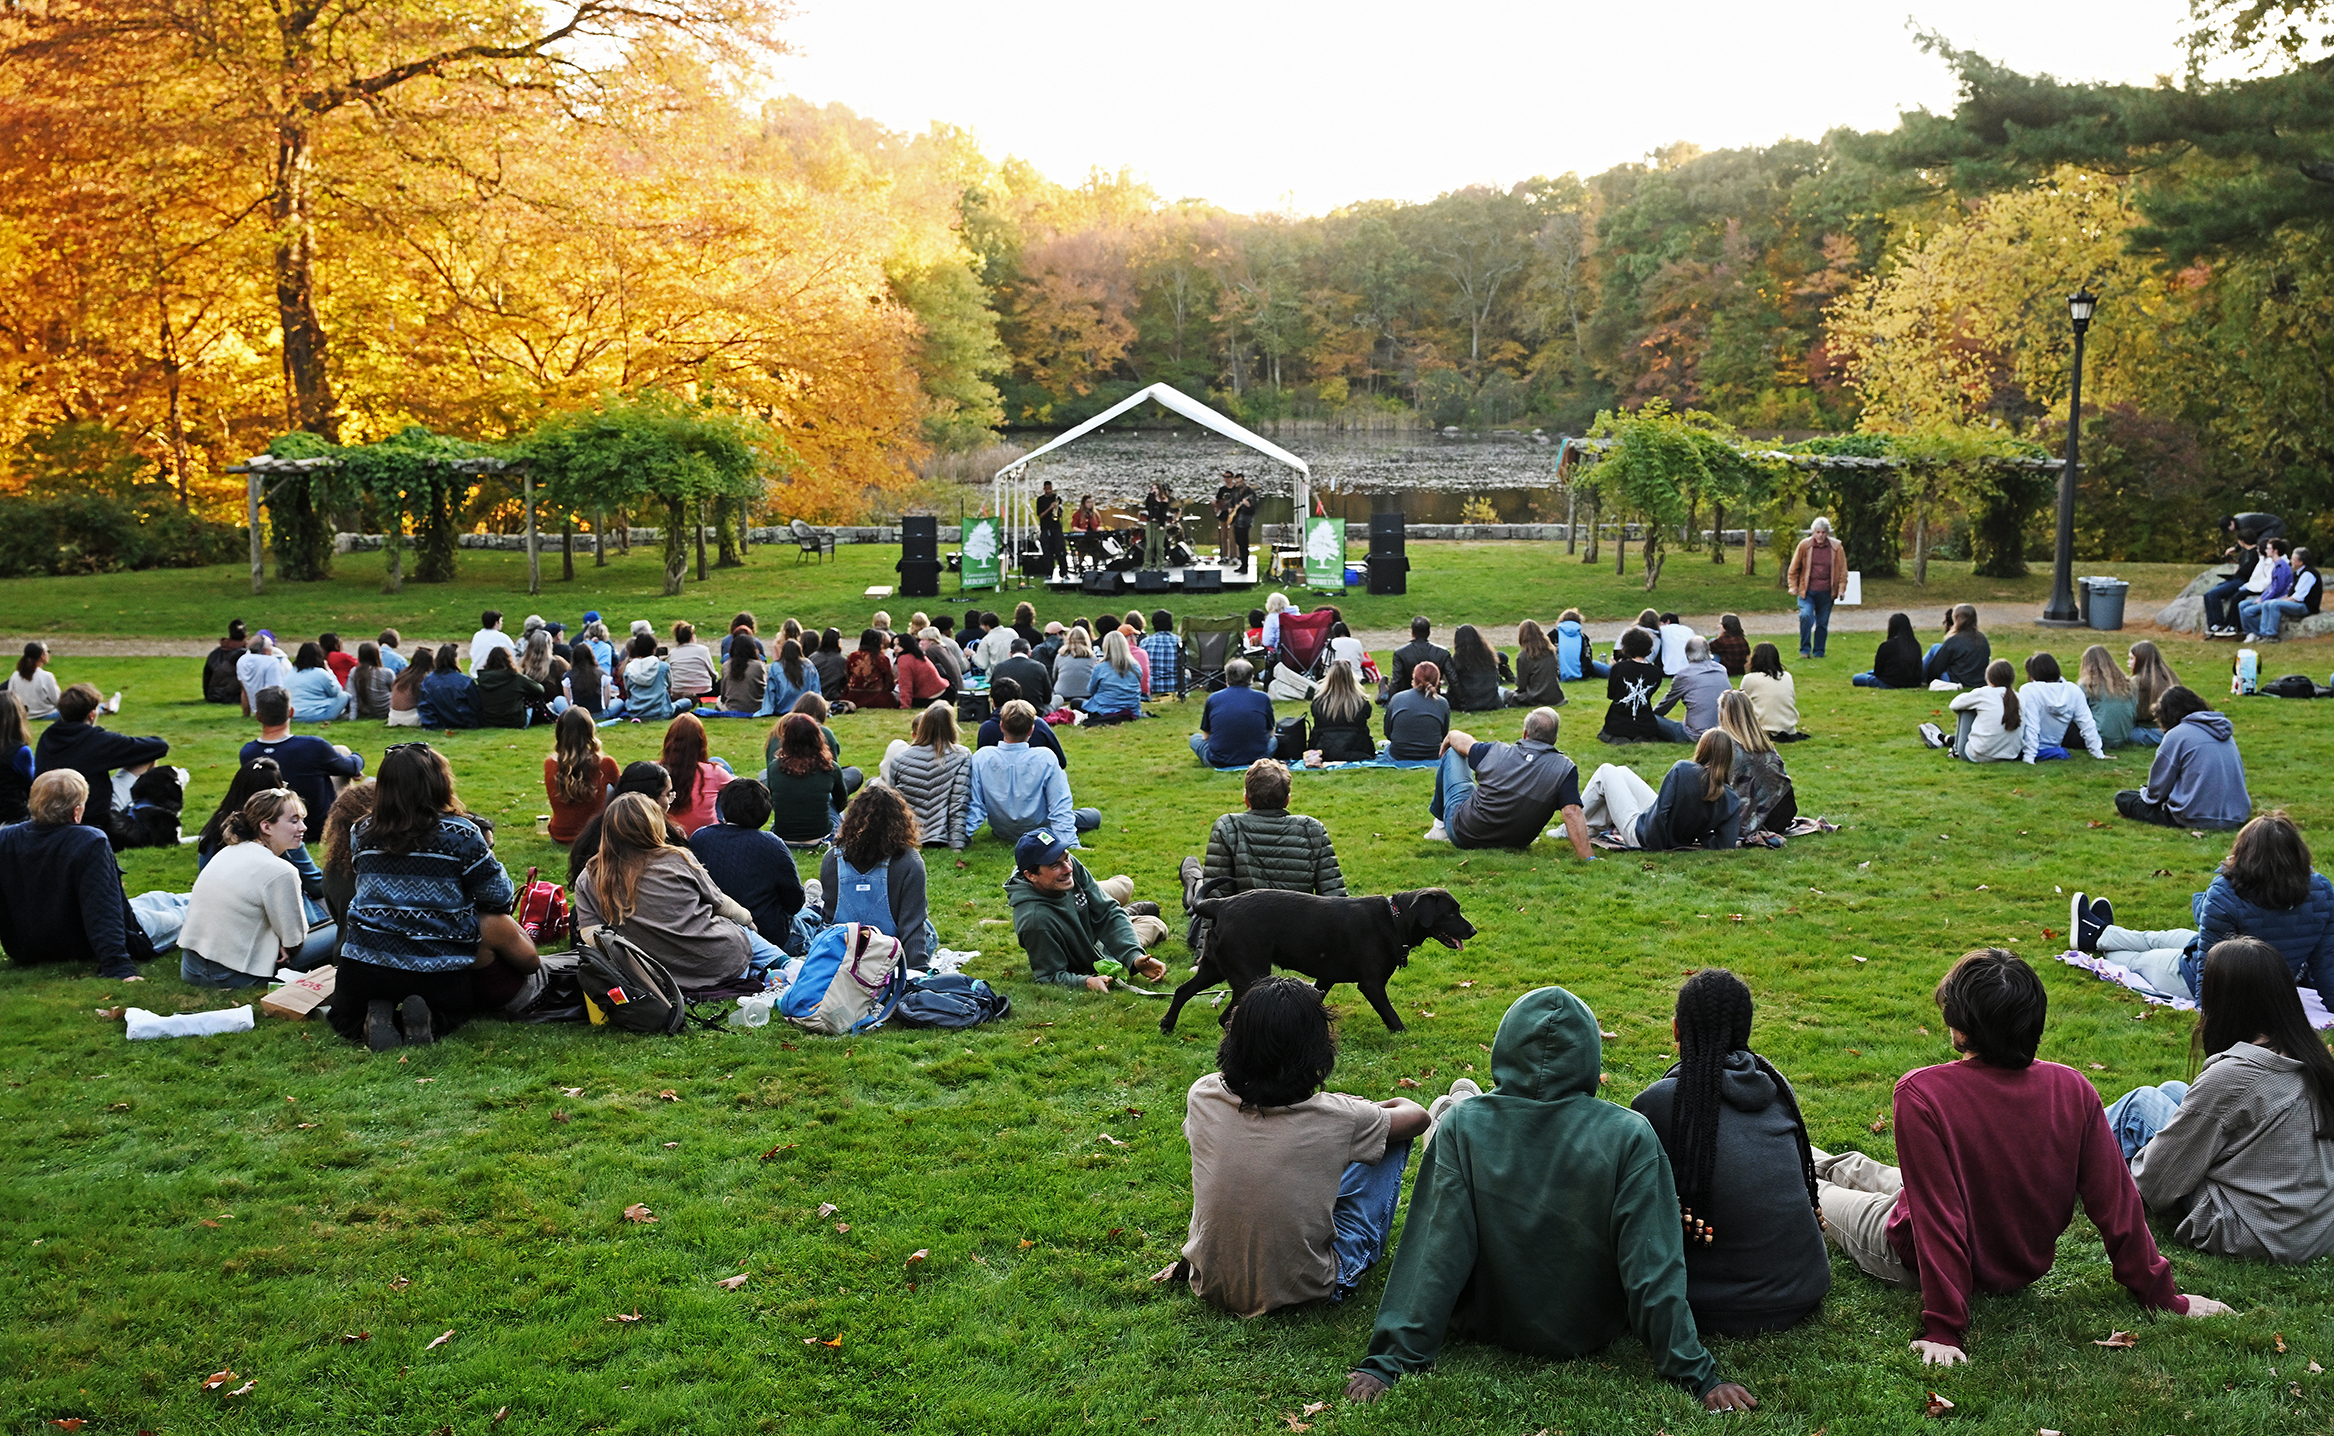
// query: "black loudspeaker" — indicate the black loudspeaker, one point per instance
point(1203, 580)
point(919, 536)
point(1389, 573)
point(1105, 581)
point(1386, 533)
point(1151, 580)
point(919, 577)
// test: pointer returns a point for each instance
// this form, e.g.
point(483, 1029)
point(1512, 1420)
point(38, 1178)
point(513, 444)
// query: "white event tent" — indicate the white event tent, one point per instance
point(1014, 489)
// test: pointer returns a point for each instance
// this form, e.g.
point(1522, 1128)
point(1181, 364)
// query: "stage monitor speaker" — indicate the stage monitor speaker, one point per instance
point(1151, 580)
point(1203, 580)
point(1104, 581)
point(919, 577)
point(919, 536)
point(1389, 573)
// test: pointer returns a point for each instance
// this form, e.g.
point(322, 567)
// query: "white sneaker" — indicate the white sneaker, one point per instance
point(113, 704)
point(1437, 833)
point(814, 894)
point(1932, 735)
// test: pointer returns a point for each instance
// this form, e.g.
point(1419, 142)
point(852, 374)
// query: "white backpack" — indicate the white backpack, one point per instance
point(851, 979)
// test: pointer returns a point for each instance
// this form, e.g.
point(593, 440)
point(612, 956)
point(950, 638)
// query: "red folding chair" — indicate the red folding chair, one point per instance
point(1304, 641)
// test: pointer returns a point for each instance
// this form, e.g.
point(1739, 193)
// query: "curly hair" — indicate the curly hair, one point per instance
point(1278, 1046)
point(877, 827)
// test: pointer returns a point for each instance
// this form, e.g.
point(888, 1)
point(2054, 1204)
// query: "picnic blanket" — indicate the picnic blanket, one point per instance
point(1379, 762)
point(2106, 969)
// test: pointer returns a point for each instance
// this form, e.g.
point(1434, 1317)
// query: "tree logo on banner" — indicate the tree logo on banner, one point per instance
point(1325, 552)
point(979, 565)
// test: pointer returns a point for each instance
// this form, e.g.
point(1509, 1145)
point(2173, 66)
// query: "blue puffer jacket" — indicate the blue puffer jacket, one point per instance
point(1573, 652)
point(2305, 933)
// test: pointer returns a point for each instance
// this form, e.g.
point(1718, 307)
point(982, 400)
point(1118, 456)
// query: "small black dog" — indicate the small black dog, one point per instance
point(1331, 940)
point(157, 801)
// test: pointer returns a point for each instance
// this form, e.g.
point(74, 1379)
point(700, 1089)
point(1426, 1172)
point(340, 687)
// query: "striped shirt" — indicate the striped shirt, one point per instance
point(418, 911)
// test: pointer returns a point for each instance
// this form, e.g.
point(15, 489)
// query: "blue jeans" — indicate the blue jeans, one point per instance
point(2142, 1112)
point(1199, 747)
point(1815, 616)
point(766, 954)
point(1867, 680)
point(1454, 784)
point(2148, 737)
point(1366, 1198)
point(2216, 613)
point(202, 972)
point(2263, 617)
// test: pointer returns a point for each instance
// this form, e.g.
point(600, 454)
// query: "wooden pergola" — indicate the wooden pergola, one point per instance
point(259, 469)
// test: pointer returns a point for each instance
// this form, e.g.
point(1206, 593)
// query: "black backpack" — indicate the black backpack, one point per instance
point(2292, 685)
point(638, 993)
point(219, 681)
point(950, 999)
point(1288, 739)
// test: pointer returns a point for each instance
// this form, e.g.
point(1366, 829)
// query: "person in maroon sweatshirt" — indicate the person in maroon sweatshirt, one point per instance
point(1995, 1149)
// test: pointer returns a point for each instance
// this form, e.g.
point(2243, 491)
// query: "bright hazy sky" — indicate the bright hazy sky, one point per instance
point(1266, 104)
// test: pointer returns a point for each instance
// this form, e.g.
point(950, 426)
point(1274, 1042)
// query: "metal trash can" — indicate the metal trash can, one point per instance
point(2105, 608)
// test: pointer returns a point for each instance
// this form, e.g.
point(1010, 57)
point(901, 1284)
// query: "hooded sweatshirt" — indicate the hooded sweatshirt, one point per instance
point(2198, 774)
point(1768, 1267)
point(1573, 652)
point(2053, 713)
point(1543, 1218)
point(2241, 1164)
point(1064, 933)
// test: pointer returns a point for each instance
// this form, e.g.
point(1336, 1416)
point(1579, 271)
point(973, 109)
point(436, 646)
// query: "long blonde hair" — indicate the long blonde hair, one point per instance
point(2100, 677)
point(1341, 697)
point(2150, 677)
point(632, 832)
point(936, 729)
point(1077, 643)
point(1740, 718)
point(1114, 652)
point(1715, 756)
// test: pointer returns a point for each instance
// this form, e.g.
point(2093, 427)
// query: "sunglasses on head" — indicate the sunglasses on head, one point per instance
point(401, 747)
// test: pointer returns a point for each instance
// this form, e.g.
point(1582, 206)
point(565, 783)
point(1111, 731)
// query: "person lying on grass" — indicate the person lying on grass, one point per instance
point(2243, 1160)
point(1745, 1171)
point(2268, 887)
point(1293, 1189)
point(1502, 795)
point(1543, 1219)
point(1076, 935)
point(1995, 1149)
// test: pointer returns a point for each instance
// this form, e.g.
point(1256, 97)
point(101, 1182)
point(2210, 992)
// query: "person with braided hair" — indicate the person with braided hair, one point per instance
point(1745, 1172)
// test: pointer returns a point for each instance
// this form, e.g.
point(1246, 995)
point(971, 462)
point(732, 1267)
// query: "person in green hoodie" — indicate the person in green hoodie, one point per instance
point(1543, 1219)
point(1075, 935)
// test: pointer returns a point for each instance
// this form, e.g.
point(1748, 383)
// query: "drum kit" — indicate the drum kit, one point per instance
point(1121, 547)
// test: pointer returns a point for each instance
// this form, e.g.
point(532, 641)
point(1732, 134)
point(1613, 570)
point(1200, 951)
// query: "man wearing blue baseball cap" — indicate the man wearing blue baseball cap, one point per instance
point(1075, 934)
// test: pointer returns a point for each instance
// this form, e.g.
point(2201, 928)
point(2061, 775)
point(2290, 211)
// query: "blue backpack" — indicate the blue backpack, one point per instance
point(951, 999)
point(851, 979)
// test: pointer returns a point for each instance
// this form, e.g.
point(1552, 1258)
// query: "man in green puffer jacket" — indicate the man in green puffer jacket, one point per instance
point(1270, 847)
point(1543, 1219)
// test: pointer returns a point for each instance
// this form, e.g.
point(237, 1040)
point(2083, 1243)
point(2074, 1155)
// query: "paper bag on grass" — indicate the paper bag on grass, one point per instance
point(301, 996)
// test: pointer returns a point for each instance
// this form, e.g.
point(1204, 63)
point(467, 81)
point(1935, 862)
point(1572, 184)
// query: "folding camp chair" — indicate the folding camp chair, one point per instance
point(1304, 641)
point(1208, 645)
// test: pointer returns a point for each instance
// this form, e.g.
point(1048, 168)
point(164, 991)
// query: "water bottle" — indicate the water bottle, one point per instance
point(753, 1011)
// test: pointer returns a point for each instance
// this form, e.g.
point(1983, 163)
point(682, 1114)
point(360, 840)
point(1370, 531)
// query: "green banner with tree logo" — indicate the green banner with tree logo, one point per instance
point(1325, 553)
point(982, 561)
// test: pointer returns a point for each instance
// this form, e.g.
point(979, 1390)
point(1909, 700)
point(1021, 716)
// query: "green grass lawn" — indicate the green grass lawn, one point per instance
point(178, 1208)
point(1488, 583)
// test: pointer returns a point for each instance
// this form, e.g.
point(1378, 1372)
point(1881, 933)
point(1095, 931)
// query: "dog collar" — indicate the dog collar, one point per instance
point(1391, 910)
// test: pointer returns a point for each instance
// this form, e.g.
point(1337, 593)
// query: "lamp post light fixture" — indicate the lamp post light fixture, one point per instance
point(2062, 611)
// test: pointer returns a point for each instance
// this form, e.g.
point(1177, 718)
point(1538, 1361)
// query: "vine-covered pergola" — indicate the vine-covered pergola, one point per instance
point(265, 474)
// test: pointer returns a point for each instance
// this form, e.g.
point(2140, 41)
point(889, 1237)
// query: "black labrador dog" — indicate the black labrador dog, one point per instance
point(1331, 940)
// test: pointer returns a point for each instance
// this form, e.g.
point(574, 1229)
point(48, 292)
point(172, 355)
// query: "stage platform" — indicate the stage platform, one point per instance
point(1241, 578)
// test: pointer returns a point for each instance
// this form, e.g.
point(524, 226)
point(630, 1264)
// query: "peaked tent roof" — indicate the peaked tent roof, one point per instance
point(1182, 403)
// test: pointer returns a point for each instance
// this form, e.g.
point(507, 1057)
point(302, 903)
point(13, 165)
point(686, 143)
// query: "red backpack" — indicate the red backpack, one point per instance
point(541, 910)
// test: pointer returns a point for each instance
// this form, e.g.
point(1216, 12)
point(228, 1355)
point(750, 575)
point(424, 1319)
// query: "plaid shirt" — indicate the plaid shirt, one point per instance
point(1166, 654)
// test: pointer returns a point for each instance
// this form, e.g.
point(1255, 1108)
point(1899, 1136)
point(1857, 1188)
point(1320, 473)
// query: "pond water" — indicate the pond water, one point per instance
point(1425, 475)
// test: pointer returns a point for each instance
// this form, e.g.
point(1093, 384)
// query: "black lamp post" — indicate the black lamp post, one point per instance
point(2062, 611)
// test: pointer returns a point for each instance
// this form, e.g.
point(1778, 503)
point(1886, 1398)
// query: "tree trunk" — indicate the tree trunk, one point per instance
point(534, 548)
point(624, 533)
point(1652, 557)
point(567, 548)
point(174, 375)
point(1750, 541)
point(1596, 533)
point(394, 541)
point(600, 539)
point(1693, 532)
point(676, 546)
point(1921, 543)
point(699, 527)
point(1571, 521)
point(729, 530)
point(309, 402)
point(1718, 533)
point(435, 561)
point(251, 516)
point(1621, 546)
point(303, 541)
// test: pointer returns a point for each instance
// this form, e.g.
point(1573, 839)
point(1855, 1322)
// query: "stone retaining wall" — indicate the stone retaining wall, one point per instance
point(1273, 533)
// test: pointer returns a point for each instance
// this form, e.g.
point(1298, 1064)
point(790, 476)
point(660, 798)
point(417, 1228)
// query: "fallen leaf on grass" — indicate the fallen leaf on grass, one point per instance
point(1026, 1245)
point(217, 1379)
point(1608, 1036)
point(208, 1222)
point(2046, 1431)
point(1468, 983)
point(572, 1091)
point(2098, 1066)
point(400, 1283)
point(244, 1390)
point(441, 1341)
point(2118, 1339)
point(499, 1415)
point(828, 1209)
point(639, 1212)
point(772, 1154)
point(423, 1081)
point(1136, 1112)
point(1880, 1126)
point(1314, 1409)
point(619, 1316)
point(919, 1254)
point(842, 1227)
point(351, 1338)
point(111, 1014)
point(2094, 824)
point(2280, 1343)
point(307, 1126)
point(559, 1116)
point(1937, 1405)
point(69, 1423)
point(1295, 1425)
point(814, 1341)
point(669, 1095)
point(2161, 873)
point(732, 1283)
point(1115, 1142)
point(670, 1145)
point(1406, 1082)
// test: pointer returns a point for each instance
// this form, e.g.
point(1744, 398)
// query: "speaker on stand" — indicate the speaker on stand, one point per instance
point(1389, 566)
point(919, 565)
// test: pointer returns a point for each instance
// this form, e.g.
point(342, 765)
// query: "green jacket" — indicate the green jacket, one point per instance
point(1274, 848)
point(1543, 1218)
point(1064, 933)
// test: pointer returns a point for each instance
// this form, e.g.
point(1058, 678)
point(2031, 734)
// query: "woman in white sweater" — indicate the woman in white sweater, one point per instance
point(246, 917)
point(1987, 731)
point(2053, 710)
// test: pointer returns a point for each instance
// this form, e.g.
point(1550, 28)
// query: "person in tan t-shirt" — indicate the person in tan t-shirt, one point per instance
point(1293, 1188)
